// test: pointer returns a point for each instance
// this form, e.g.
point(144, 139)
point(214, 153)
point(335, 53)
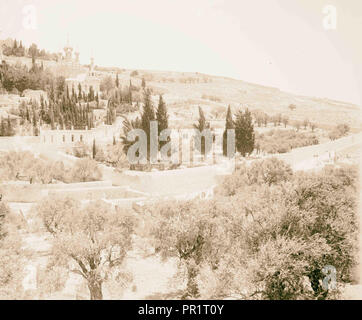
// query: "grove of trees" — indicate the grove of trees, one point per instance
point(339, 131)
point(267, 235)
point(281, 141)
point(24, 165)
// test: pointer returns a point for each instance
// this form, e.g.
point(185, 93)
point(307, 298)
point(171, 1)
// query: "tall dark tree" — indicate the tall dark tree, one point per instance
point(3, 130)
point(130, 92)
point(35, 124)
point(244, 133)
point(51, 116)
point(94, 149)
point(162, 118)
point(79, 91)
point(143, 83)
point(10, 129)
point(228, 125)
point(148, 115)
point(117, 81)
point(200, 127)
point(91, 94)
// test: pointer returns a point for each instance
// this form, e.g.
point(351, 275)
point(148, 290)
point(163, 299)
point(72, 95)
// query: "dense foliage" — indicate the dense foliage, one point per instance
point(11, 255)
point(281, 141)
point(339, 131)
point(267, 235)
point(23, 165)
point(19, 78)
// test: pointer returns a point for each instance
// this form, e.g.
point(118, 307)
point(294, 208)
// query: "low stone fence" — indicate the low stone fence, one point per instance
point(19, 191)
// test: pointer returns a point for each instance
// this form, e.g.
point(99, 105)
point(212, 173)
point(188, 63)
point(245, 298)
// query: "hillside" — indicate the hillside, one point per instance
point(184, 92)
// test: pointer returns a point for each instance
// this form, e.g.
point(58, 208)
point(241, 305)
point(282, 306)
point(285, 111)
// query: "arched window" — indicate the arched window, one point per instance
point(81, 138)
point(72, 137)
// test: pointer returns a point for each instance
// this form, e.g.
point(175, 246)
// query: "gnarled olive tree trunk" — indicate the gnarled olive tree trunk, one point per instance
point(95, 289)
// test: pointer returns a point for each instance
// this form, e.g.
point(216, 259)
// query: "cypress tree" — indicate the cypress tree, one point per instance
point(91, 94)
point(200, 127)
point(73, 93)
point(94, 149)
point(79, 91)
point(51, 116)
point(162, 118)
point(52, 93)
point(228, 125)
point(27, 114)
point(42, 110)
point(147, 116)
point(130, 92)
point(244, 133)
point(117, 81)
point(67, 93)
point(2, 128)
point(35, 128)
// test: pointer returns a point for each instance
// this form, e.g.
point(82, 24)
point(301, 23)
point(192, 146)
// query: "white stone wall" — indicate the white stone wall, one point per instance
point(59, 137)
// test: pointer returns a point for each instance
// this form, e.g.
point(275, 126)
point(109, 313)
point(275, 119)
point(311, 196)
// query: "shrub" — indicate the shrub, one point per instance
point(339, 131)
point(211, 98)
point(269, 171)
point(24, 165)
point(85, 170)
point(81, 150)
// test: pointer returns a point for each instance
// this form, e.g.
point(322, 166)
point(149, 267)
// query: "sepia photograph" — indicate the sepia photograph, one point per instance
point(168, 150)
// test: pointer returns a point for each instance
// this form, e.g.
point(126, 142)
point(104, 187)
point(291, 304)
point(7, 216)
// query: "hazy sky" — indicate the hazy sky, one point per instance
point(280, 43)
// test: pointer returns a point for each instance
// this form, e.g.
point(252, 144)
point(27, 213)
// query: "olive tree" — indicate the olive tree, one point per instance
point(12, 256)
point(85, 170)
point(91, 241)
point(192, 232)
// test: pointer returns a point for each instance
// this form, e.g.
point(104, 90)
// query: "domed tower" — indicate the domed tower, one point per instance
point(68, 50)
point(91, 67)
point(76, 57)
